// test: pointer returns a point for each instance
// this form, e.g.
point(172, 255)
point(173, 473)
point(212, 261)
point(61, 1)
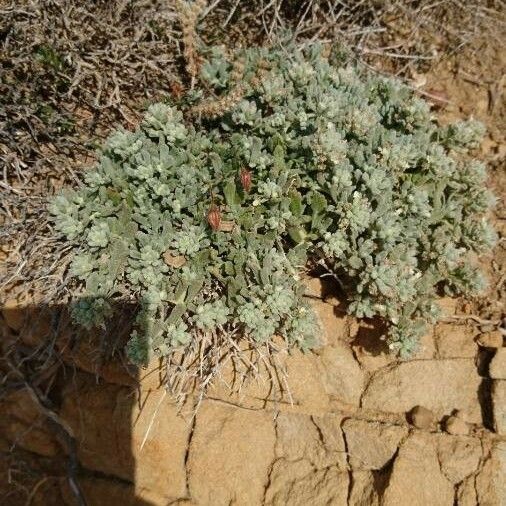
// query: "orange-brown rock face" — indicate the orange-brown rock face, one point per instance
point(341, 426)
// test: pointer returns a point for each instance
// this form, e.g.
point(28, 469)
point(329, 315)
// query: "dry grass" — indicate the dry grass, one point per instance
point(72, 70)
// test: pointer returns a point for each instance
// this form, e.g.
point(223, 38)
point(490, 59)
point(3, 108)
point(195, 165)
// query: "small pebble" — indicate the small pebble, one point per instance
point(421, 418)
point(456, 426)
point(461, 414)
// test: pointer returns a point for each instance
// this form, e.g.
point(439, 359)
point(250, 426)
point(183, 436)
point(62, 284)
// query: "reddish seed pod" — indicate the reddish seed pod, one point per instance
point(245, 177)
point(176, 89)
point(214, 217)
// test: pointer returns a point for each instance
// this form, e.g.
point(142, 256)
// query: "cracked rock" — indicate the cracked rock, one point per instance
point(230, 454)
point(498, 364)
point(371, 444)
point(459, 456)
point(102, 418)
point(455, 341)
point(490, 487)
point(363, 490)
point(416, 477)
point(298, 484)
point(331, 375)
point(341, 374)
point(499, 405)
point(439, 385)
point(466, 493)
point(23, 424)
point(316, 439)
point(335, 327)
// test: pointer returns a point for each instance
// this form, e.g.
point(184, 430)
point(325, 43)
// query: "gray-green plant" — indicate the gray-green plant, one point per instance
point(349, 170)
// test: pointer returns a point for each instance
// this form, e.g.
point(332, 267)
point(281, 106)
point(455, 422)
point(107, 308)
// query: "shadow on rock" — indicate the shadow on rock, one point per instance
point(75, 424)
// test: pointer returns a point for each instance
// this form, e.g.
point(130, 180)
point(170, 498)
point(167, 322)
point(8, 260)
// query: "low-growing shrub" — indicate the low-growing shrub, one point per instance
point(210, 211)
